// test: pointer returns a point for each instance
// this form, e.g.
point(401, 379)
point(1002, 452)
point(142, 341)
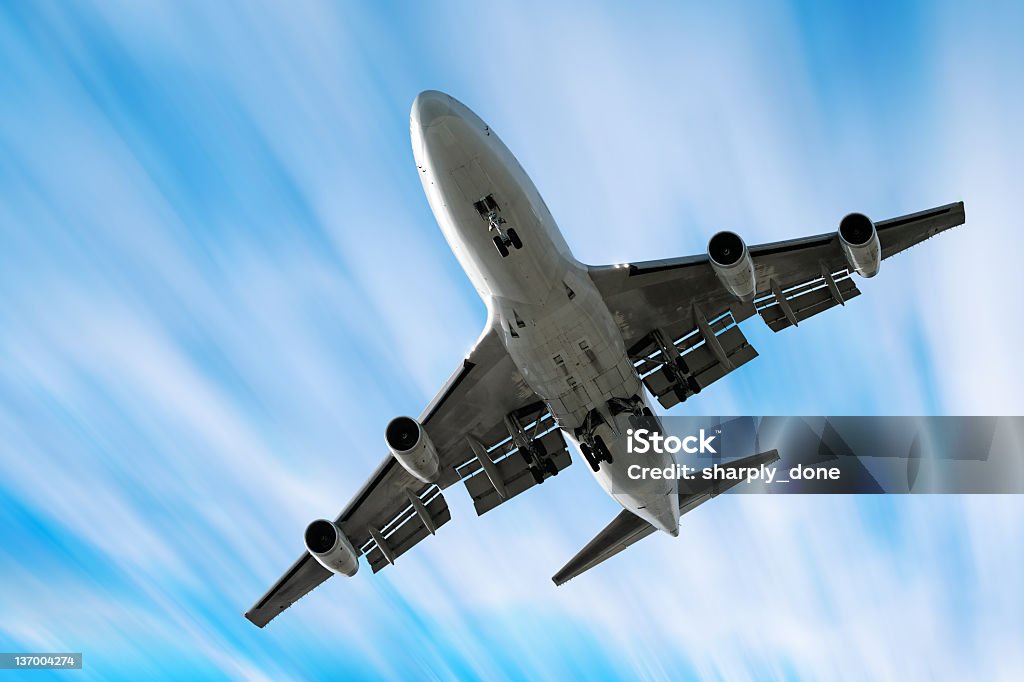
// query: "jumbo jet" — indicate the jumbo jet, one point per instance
point(571, 353)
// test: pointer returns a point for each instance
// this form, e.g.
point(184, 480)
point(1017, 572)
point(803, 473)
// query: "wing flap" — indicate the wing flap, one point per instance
point(780, 309)
point(693, 362)
point(407, 530)
point(515, 474)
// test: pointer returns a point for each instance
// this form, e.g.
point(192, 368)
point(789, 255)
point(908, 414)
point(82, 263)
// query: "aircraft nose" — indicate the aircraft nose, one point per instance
point(429, 106)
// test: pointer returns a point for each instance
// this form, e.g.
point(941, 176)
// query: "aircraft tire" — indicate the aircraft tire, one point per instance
point(500, 245)
point(513, 237)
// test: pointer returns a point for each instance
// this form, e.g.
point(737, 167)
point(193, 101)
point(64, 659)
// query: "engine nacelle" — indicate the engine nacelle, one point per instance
point(409, 443)
point(860, 244)
point(732, 263)
point(331, 548)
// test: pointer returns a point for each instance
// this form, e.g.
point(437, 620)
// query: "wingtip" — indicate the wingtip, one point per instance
point(251, 617)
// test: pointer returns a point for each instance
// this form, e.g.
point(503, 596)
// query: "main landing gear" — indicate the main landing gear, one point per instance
point(678, 374)
point(593, 447)
point(676, 371)
point(596, 453)
point(503, 238)
point(531, 449)
point(536, 457)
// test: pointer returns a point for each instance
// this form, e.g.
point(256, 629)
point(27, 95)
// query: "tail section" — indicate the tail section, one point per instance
point(628, 528)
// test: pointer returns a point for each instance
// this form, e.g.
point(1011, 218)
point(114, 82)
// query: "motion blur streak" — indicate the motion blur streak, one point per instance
point(210, 225)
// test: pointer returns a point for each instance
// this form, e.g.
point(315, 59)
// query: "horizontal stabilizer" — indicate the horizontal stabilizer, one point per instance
point(628, 528)
point(623, 531)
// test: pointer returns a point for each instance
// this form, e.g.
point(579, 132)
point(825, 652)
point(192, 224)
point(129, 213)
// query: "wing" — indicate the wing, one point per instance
point(627, 528)
point(491, 432)
point(679, 323)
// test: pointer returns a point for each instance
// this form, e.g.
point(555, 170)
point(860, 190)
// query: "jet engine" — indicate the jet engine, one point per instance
point(331, 548)
point(732, 263)
point(860, 244)
point(409, 443)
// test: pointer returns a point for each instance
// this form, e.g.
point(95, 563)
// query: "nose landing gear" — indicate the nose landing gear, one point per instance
point(499, 244)
point(509, 239)
point(503, 238)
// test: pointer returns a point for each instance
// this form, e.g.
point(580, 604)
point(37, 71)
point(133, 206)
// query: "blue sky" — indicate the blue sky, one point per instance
point(219, 279)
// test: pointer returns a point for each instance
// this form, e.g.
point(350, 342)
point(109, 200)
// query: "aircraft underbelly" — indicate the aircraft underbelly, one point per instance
point(550, 316)
point(569, 351)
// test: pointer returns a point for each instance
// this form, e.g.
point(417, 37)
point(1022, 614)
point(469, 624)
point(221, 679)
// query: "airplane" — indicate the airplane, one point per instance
point(571, 353)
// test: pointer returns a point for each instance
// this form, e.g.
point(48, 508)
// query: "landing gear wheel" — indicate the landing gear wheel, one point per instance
point(513, 237)
point(680, 392)
point(500, 245)
point(539, 449)
point(682, 366)
point(588, 454)
point(693, 385)
point(669, 372)
point(549, 466)
point(538, 477)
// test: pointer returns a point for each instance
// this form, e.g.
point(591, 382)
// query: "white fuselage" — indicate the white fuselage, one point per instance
point(540, 299)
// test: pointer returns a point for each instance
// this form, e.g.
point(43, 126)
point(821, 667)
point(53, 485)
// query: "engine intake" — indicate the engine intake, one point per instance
point(859, 240)
point(732, 264)
point(331, 548)
point(411, 446)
